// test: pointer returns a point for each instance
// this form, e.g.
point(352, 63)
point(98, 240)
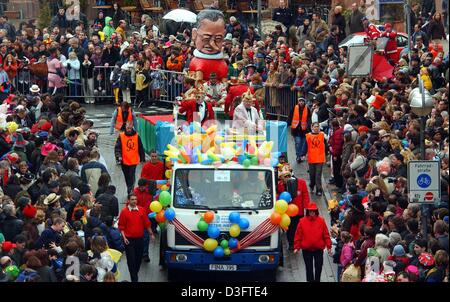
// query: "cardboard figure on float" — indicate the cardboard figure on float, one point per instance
point(208, 36)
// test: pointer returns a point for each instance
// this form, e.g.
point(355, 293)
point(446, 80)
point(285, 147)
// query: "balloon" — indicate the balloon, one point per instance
point(341, 203)
point(241, 159)
point(202, 226)
point(292, 210)
point(155, 206)
point(267, 162)
point(213, 231)
point(275, 218)
point(246, 163)
point(169, 214)
point(254, 161)
point(168, 174)
point(285, 221)
point(286, 196)
point(152, 215)
point(281, 206)
point(235, 230)
point(274, 162)
point(233, 243)
point(210, 244)
point(208, 216)
point(165, 198)
point(244, 223)
point(251, 149)
point(234, 217)
point(160, 216)
point(219, 252)
point(164, 188)
point(224, 243)
point(228, 153)
point(227, 252)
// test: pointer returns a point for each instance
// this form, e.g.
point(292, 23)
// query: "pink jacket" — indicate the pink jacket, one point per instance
point(347, 254)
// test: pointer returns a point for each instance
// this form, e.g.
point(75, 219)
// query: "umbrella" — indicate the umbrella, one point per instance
point(268, 26)
point(381, 68)
point(181, 15)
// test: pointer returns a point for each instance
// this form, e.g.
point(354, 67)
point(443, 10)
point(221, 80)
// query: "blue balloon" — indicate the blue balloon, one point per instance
point(152, 215)
point(274, 162)
point(233, 243)
point(341, 203)
point(244, 223)
point(286, 196)
point(213, 231)
point(219, 252)
point(234, 217)
point(169, 213)
point(241, 159)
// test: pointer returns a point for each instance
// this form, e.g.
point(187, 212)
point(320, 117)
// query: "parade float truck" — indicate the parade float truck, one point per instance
point(221, 212)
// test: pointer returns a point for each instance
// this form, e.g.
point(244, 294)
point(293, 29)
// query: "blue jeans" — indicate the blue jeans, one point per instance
point(74, 88)
point(146, 242)
point(300, 145)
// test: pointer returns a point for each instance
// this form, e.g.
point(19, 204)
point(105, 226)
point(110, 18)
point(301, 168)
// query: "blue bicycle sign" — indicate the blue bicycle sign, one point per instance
point(423, 180)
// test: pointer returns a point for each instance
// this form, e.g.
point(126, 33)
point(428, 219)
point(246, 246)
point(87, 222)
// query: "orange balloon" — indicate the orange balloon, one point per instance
point(208, 217)
point(275, 218)
point(160, 216)
point(292, 210)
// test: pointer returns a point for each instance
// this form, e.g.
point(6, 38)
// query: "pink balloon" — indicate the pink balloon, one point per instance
point(267, 162)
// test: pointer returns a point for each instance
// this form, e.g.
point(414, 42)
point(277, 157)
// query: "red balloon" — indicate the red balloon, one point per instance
point(208, 217)
point(292, 210)
point(160, 216)
point(275, 218)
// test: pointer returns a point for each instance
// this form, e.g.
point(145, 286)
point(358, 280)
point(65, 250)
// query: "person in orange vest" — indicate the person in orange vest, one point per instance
point(300, 122)
point(121, 116)
point(129, 152)
point(316, 145)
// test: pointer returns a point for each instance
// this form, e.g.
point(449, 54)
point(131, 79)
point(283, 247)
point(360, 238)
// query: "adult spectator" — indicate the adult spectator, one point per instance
point(428, 8)
point(109, 202)
point(51, 237)
point(60, 20)
point(283, 14)
point(318, 30)
point(339, 20)
point(436, 30)
point(10, 225)
point(91, 171)
point(336, 142)
point(312, 237)
point(118, 14)
point(133, 221)
point(355, 22)
point(129, 152)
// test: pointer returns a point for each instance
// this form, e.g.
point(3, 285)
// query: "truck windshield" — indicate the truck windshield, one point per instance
point(231, 189)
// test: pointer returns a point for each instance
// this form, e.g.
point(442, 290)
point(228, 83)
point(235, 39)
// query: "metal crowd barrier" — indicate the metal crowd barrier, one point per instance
point(279, 102)
point(164, 86)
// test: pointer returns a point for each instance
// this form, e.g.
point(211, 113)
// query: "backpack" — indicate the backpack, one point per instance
point(27, 276)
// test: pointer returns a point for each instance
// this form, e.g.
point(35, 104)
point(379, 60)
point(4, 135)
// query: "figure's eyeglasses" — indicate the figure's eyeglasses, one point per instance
point(206, 38)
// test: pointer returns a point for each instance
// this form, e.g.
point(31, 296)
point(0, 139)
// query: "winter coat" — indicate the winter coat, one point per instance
point(312, 234)
point(355, 23)
point(115, 239)
point(91, 172)
point(318, 31)
point(347, 254)
point(336, 142)
point(110, 204)
point(108, 29)
point(73, 69)
point(10, 227)
point(92, 223)
point(436, 30)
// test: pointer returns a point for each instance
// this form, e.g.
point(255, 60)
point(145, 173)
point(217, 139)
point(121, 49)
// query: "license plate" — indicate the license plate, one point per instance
point(222, 267)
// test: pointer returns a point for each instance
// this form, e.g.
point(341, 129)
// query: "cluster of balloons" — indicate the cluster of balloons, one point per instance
point(224, 246)
point(284, 210)
point(160, 210)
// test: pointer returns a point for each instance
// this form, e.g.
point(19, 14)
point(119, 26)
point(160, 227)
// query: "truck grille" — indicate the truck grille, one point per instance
point(180, 240)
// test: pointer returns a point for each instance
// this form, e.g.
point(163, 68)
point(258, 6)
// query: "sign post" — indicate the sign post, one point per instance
point(424, 181)
point(359, 60)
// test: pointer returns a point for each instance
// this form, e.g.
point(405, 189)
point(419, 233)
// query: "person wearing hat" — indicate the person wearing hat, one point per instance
point(246, 117)
point(312, 237)
point(215, 91)
point(198, 109)
point(296, 186)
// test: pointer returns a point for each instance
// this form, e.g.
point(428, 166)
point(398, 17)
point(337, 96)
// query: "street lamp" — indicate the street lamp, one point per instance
point(421, 104)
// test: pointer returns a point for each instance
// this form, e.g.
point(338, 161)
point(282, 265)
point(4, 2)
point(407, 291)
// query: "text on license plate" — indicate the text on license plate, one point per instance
point(222, 267)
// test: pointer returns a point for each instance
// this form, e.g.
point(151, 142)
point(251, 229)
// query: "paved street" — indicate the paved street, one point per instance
point(293, 270)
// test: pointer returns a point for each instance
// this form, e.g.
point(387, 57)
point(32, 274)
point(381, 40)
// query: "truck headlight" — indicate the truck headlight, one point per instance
point(263, 258)
point(181, 258)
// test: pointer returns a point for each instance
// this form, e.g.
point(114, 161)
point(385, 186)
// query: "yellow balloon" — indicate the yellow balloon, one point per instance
point(210, 244)
point(155, 206)
point(168, 174)
point(164, 188)
point(235, 230)
point(281, 206)
point(285, 221)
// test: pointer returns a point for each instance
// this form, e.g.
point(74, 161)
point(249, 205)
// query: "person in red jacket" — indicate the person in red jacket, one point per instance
point(133, 220)
point(300, 197)
point(390, 51)
point(199, 109)
point(154, 169)
point(312, 237)
point(336, 143)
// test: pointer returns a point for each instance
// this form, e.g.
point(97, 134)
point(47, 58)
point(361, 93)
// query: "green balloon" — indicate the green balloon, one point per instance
point(227, 252)
point(165, 198)
point(246, 163)
point(254, 161)
point(202, 226)
point(224, 243)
